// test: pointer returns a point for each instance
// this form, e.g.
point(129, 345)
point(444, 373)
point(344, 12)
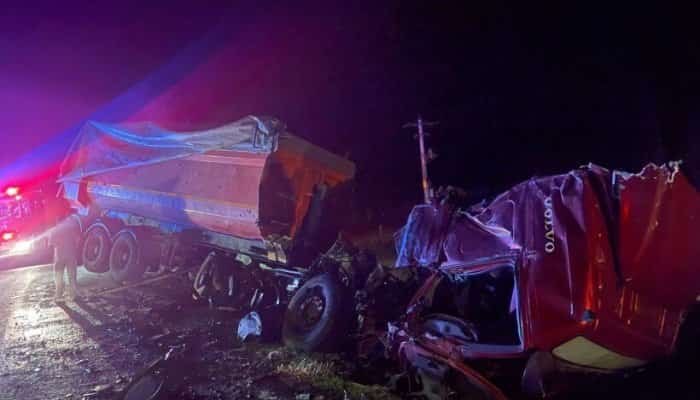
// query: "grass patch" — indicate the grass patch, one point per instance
point(323, 376)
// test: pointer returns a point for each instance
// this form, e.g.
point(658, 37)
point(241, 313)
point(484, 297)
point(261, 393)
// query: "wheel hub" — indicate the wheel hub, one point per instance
point(311, 310)
point(93, 246)
point(123, 257)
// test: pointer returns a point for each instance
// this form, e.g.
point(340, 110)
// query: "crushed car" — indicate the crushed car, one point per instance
point(589, 273)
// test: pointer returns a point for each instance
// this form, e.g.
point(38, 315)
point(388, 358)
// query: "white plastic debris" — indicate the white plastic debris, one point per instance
point(250, 325)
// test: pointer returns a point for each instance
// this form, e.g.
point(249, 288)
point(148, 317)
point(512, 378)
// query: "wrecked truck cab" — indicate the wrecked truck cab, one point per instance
point(589, 271)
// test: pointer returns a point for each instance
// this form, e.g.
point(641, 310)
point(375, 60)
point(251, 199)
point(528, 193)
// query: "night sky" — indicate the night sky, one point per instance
point(518, 91)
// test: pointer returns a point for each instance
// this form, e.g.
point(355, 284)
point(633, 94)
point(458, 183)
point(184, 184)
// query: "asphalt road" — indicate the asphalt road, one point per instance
point(51, 351)
point(95, 348)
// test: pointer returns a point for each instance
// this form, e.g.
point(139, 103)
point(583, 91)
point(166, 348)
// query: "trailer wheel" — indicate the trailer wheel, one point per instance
point(125, 263)
point(96, 248)
point(315, 319)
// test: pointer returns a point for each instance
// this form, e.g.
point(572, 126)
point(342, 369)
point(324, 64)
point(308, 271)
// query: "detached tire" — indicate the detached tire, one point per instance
point(125, 263)
point(316, 319)
point(96, 249)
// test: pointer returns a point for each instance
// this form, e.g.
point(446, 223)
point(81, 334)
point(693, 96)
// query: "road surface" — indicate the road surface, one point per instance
point(52, 351)
point(97, 347)
point(94, 348)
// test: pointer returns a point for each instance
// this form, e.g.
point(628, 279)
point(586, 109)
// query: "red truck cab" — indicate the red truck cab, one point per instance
point(592, 271)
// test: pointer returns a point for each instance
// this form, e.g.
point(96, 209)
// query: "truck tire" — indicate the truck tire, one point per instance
point(125, 263)
point(96, 248)
point(316, 317)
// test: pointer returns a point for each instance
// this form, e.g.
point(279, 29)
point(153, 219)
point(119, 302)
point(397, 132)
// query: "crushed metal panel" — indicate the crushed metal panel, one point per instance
point(470, 239)
point(659, 229)
point(608, 256)
point(421, 240)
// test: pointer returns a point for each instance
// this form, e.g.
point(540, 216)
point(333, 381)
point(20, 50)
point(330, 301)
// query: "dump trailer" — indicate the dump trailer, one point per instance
point(248, 197)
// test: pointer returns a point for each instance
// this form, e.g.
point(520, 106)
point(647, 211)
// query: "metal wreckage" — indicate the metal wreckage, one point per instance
point(590, 272)
point(586, 273)
point(573, 276)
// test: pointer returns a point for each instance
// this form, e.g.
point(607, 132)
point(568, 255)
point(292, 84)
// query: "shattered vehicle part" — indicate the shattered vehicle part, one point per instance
point(443, 378)
point(148, 384)
point(250, 326)
point(163, 374)
point(587, 273)
point(264, 324)
point(147, 388)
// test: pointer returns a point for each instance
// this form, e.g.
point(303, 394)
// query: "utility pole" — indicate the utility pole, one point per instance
point(425, 183)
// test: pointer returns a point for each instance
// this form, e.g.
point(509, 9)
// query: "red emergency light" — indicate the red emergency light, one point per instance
point(12, 191)
point(7, 236)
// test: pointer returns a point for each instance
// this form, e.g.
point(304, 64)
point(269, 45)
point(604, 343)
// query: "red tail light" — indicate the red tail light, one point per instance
point(7, 236)
point(12, 191)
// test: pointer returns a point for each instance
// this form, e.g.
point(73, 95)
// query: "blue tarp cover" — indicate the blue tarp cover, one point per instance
point(101, 147)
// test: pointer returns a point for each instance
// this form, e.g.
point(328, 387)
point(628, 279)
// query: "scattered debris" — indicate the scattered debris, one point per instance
point(103, 388)
point(139, 283)
point(160, 336)
point(266, 395)
point(250, 326)
point(274, 355)
point(99, 391)
point(148, 387)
